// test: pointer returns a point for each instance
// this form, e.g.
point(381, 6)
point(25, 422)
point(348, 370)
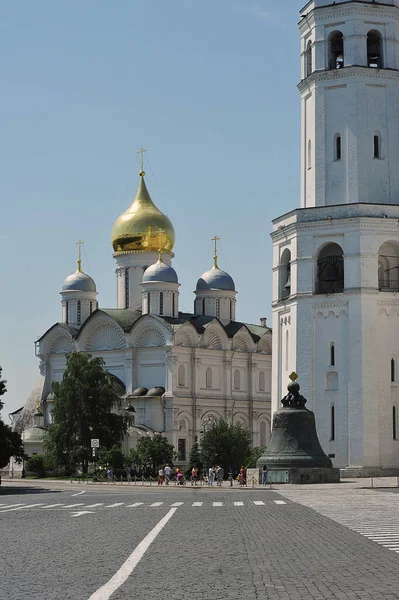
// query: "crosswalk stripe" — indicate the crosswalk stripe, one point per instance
point(177, 504)
point(134, 505)
point(197, 504)
point(12, 505)
point(21, 507)
point(259, 503)
point(217, 503)
point(52, 505)
point(279, 502)
point(154, 504)
point(238, 503)
point(73, 505)
point(114, 505)
point(94, 505)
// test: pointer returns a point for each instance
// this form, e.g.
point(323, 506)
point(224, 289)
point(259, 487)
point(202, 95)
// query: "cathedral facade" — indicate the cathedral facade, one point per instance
point(179, 371)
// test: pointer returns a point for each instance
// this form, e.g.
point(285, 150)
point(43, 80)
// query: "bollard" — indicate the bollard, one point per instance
point(372, 482)
point(142, 480)
point(397, 481)
point(135, 480)
point(121, 480)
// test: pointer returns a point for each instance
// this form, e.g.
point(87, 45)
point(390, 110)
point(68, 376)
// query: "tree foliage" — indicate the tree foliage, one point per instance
point(256, 453)
point(10, 441)
point(84, 404)
point(113, 458)
point(226, 445)
point(155, 451)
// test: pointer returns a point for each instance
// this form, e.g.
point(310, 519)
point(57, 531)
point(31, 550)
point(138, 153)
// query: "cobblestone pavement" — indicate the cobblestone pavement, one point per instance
point(219, 544)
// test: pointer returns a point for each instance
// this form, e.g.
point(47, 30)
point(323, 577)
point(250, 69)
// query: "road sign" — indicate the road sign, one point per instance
point(95, 443)
point(94, 452)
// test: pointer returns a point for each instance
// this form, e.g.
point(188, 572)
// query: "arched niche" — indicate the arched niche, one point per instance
point(388, 267)
point(285, 275)
point(330, 269)
point(336, 50)
point(374, 49)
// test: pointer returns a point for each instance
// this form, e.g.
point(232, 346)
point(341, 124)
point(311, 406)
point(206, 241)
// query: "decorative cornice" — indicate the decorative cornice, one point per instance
point(347, 73)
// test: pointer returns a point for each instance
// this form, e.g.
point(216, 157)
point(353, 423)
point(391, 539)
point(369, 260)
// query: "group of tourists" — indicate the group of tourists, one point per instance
point(215, 474)
point(166, 474)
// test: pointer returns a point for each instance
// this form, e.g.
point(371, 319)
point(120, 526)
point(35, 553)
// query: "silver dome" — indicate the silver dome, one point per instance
point(160, 271)
point(216, 279)
point(79, 282)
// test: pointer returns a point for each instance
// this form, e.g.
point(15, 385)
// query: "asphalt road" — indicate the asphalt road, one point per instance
point(98, 542)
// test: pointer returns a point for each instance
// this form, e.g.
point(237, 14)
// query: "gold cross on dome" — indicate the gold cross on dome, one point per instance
point(141, 152)
point(79, 245)
point(215, 256)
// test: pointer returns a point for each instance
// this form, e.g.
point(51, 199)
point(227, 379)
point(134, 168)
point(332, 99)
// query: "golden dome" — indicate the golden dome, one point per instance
point(142, 227)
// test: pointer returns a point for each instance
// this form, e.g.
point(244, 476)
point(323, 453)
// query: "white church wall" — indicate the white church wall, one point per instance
point(150, 368)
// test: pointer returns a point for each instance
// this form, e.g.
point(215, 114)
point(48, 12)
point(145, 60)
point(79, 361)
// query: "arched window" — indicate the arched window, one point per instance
point(127, 288)
point(332, 423)
point(78, 312)
point(262, 433)
point(332, 354)
point(309, 154)
point(393, 370)
point(148, 302)
point(203, 306)
point(388, 267)
point(337, 147)
point(285, 274)
point(208, 378)
point(308, 59)
point(67, 312)
point(330, 270)
point(218, 308)
point(231, 310)
point(335, 50)
point(374, 49)
point(394, 424)
point(182, 375)
point(161, 303)
point(237, 383)
point(261, 381)
point(91, 306)
point(376, 146)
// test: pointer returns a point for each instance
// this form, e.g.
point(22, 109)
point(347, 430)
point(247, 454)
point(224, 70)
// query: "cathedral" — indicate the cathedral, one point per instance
point(335, 276)
point(179, 371)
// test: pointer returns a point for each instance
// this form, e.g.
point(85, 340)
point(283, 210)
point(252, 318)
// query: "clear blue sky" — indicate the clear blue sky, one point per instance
point(209, 88)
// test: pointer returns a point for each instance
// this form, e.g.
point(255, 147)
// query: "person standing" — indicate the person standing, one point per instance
point(160, 476)
point(211, 473)
point(168, 471)
point(264, 475)
point(243, 476)
point(219, 475)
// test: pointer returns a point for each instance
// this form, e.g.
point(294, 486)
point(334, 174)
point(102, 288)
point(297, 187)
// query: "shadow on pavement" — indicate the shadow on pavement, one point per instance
point(9, 490)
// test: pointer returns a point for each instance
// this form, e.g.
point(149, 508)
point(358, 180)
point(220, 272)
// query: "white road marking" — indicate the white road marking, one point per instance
point(114, 505)
point(93, 505)
point(134, 505)
point(73, 505)
point(21, 507)
point(82, 512)
point(259, 503)
point(279, 502)
point(52, 505)
point(217, 503)
point(238, 503)
point(177, 504)
point(106, 591)
point(156, 504)
point(197, 503)
point(78, 494)
point(12, 505)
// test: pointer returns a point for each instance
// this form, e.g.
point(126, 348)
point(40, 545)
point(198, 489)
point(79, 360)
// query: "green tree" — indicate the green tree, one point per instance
point(155, 451)
point(256, 453)
point(10, 441)
point(84, 405)
point(113, 458)
point(35, 464)
point(226, 445)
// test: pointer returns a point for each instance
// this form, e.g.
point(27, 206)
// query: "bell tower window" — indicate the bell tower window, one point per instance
point(374, 49)
point(148, 302)
point(161, 303)
point(335, 50)
point(330, 270)
point(67, 312)
point(78, 312)
point(308, 59)
point(285, 275)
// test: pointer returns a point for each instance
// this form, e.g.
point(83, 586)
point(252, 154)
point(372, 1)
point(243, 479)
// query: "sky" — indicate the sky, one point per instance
point(208, 88)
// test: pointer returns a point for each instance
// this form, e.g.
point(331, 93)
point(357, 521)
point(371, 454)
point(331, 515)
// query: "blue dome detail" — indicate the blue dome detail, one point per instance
point(216, 279)
point(160, 271)
point(79, 282)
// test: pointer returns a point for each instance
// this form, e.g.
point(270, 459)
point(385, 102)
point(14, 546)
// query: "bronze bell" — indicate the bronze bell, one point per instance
point(288, 283)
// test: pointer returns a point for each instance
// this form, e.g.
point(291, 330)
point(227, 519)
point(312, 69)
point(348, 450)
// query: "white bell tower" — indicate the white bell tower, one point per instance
point(336, 259)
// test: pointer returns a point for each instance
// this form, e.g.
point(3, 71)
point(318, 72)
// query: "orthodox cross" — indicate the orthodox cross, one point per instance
point(79, 245)
point(215, 256)
point(141, 152)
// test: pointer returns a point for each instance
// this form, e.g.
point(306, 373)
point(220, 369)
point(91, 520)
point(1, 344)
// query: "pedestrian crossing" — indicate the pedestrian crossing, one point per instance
point(124, 505)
